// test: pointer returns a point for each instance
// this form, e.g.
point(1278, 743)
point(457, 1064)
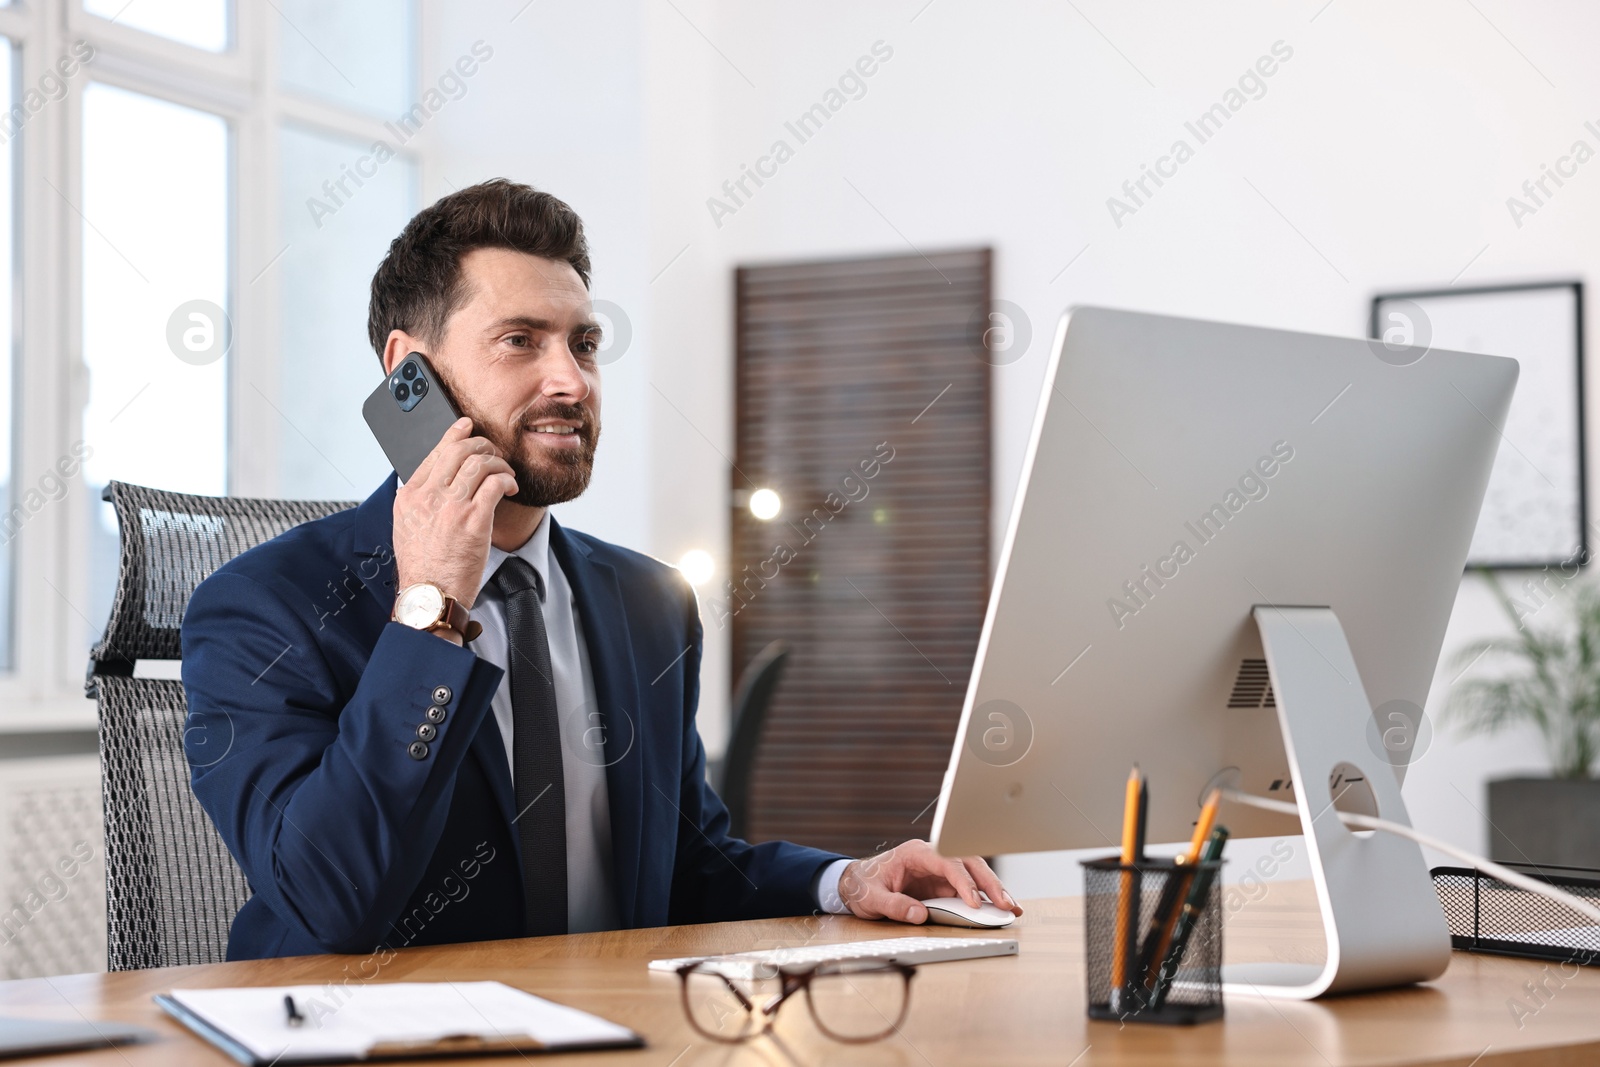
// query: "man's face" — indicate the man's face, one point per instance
point(518, 359)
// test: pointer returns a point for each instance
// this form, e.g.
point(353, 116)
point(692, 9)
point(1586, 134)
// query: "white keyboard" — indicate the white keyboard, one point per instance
point(911, 950)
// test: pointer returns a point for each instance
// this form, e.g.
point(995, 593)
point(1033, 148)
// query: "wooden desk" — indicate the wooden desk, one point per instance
point(1023, 1010)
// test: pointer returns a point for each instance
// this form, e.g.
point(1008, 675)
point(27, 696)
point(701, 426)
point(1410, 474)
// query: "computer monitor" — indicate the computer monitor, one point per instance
point(1190, 487)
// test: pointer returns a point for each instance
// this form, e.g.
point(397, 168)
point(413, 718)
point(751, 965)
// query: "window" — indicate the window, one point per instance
point(334, 240)
point(8, 214)
point(357, 53)
point(155, 296)
point(171, 296)
point(199, 23)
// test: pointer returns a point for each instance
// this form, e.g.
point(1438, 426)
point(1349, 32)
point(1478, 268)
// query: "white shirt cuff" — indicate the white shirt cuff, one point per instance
point(828, 898)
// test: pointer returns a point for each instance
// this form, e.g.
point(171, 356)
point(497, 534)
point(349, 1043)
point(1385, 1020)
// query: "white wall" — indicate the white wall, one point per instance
point(1379, 157)
point(560, 105)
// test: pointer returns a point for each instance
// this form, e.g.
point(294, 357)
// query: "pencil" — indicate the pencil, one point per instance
point(1202, 826)
point(1125, 901)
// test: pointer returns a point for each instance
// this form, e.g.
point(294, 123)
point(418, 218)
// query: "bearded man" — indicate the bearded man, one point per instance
point(492, 707)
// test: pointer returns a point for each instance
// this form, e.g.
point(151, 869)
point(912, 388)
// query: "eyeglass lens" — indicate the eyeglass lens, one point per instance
point(858, 1003)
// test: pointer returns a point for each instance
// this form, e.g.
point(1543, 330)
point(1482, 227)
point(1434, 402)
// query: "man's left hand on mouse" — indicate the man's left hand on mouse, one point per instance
point(893, 884)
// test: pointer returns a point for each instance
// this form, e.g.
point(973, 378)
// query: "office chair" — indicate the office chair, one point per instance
point(752, 699)
point(172, 888)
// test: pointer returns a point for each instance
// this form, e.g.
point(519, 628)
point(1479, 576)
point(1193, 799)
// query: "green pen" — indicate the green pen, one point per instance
point(1199, 893)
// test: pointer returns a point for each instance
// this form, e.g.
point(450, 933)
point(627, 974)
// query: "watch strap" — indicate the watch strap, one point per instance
point(452, 617)
point(457, 619)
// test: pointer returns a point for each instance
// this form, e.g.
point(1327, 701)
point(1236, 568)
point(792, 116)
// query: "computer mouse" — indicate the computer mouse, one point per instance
point(953, 911)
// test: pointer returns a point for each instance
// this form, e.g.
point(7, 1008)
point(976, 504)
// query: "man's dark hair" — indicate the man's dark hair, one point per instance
point(418, 285)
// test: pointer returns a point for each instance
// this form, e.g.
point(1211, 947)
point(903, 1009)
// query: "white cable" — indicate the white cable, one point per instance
point(1369, 822)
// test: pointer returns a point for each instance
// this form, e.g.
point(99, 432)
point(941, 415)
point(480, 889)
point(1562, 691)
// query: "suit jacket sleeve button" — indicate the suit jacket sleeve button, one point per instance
point(435, 714)
point(418, 750)
point(441, 694)
point(427, 732)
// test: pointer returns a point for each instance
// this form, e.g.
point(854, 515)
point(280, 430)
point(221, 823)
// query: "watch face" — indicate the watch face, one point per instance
point(419, 605)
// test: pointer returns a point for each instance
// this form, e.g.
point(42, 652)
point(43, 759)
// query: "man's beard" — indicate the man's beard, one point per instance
point(556, 476)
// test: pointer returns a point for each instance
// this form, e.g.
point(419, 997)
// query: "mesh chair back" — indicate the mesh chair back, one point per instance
point(172, 888)
point(752, 699)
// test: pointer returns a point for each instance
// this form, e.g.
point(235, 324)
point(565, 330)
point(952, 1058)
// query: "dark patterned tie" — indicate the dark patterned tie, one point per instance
point(535, 752)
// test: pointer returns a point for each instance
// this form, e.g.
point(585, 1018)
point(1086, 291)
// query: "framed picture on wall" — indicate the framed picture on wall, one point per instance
point(1535, 513)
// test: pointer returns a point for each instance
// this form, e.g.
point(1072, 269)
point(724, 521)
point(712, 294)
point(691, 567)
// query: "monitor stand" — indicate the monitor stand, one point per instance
point(1380, 912)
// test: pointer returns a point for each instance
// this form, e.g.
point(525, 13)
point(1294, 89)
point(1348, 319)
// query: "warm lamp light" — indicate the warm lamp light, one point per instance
point(765, 504)
point(697, 566)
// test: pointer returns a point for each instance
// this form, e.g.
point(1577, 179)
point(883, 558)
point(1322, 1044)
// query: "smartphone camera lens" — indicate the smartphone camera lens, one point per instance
point(409, 371)
point(402, 392)
point(419, 387)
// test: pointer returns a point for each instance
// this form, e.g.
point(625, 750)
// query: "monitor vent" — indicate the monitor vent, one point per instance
point(1253, 687)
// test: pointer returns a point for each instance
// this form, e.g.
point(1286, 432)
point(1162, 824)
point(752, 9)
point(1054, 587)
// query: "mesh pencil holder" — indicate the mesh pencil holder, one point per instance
point(1152, 941)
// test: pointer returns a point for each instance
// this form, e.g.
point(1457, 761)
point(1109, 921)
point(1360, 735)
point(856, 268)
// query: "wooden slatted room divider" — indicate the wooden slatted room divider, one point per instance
point(863, 400)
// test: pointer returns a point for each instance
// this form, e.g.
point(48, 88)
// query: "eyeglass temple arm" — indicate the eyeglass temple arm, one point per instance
point(792, 984)
point(685, 971)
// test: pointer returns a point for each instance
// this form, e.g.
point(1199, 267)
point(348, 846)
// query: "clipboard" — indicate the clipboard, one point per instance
point(387, 1020)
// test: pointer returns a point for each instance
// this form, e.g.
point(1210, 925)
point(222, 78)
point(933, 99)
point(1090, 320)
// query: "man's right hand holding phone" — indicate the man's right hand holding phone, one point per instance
point(443, 522)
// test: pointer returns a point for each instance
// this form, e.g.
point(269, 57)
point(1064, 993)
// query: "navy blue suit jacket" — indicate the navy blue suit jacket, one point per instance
point(304, 704)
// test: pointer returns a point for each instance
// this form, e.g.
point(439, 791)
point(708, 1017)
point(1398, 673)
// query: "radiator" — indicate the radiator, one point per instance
point(52, 870)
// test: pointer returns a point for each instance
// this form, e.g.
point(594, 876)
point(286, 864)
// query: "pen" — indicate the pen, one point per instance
point(295, 1018)
point(1144, 817)
point(1126, 904)
point(1175, 893)
point(1199, 892)
point(1162, 921)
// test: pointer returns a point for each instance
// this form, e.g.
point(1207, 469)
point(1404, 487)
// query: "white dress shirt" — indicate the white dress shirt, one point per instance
point(590, 903)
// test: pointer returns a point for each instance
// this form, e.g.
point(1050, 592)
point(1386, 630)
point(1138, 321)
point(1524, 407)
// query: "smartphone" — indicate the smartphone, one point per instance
point(409, 413)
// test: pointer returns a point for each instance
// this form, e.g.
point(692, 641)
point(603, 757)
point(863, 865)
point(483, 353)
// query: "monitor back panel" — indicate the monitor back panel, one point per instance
point(1178, 474)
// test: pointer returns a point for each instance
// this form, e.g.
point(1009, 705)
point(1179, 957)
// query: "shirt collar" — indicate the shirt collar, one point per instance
point(535, 550)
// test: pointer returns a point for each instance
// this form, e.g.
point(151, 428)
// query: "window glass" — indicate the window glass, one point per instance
point(11, 520)
point(155, 291)
point(342, 203)
point(360, 53)
point(199, 23)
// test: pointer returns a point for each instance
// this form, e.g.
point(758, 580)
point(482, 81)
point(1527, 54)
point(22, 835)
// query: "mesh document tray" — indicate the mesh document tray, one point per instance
point(172, 888)
point(1487, 915)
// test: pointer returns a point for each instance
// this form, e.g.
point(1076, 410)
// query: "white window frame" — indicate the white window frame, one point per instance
point(51, 582)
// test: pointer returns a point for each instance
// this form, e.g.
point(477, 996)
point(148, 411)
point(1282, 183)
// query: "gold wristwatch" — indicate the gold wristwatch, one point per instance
point(424, 606)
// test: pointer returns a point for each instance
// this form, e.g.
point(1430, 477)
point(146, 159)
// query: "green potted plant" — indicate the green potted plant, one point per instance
point(1546, 675)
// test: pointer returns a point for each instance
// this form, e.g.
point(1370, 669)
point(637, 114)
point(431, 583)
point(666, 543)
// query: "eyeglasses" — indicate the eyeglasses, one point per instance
point(854, 1001)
